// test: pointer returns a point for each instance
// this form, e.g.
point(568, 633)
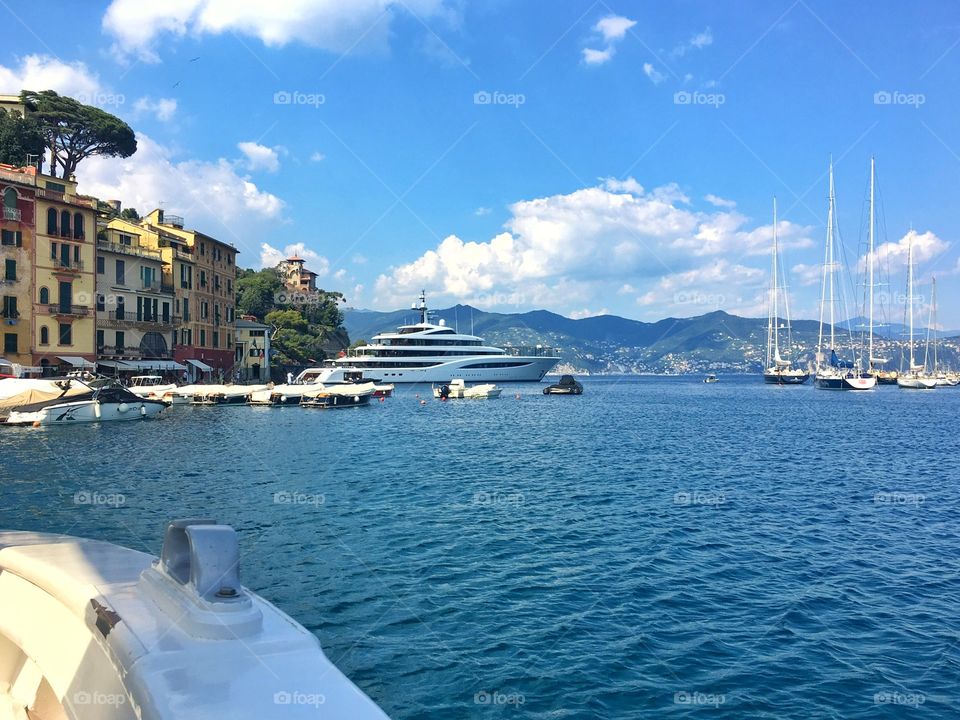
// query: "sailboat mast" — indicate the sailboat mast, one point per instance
point(774, 327)
point(870, 260)
point(910, 297)
point(833, 343)
point(933, 323)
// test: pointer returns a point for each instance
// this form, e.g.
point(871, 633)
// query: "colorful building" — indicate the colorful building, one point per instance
point(17, 242)
point(252, 350)
point(295, 276)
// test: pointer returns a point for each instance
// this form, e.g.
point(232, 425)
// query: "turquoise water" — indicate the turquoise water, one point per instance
point(657, 547)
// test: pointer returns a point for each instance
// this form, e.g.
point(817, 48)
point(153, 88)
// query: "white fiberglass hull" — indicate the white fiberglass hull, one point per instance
point(529, 369)
point(916, 383)
point(87, 411)
point(152, 391)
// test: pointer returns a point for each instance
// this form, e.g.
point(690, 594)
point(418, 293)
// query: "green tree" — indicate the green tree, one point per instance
point(257, 292)
point(19, 137)
point(130, 214)
point(287, 320)
point(73, 131)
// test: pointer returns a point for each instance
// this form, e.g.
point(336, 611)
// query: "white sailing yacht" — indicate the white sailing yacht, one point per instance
point(945, 378)
point(778, 370)
point(833, 373)
point(916, 377)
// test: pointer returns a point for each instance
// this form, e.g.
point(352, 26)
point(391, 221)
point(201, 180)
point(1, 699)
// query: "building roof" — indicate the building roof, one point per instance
point(294, 258)
point(250, 325)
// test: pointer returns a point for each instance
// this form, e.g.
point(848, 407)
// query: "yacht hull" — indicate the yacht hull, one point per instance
point(845, 383)
point(87, 411)
point(775, 378)
point(527, 369)
point(916, 383)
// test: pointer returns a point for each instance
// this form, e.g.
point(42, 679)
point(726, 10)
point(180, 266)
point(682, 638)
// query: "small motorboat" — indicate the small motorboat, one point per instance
point(382, 389)
point(458, 389)
point(224, 394)
point(711, 378)
point(338, 396)
point(567, 385)
point(90, 629)
point(150, 386)
point(70, 400)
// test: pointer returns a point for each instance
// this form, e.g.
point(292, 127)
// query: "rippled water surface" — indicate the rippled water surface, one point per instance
point(656, 547)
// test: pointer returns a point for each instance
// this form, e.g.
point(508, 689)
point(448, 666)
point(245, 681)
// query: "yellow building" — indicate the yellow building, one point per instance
point(16, 262)
point(253, 350)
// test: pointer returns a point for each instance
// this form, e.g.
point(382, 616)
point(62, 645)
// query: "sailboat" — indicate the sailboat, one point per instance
point(944, 377)
point(874, 364)
point(916, 377)
point(778, 370)
point(836, 374)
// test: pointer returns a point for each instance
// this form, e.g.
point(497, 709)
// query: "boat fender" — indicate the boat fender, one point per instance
point(36, 423)
point(96, 410)
point(122, 407)
point(143, 410)
point(283, 398)
point(381, 398)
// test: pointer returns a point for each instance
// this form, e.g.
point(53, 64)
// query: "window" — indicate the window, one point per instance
point(9, 237)
point(126, 239)
point(216, 282)
point(10, 307)
point(10, 342)
point(51, 221)
point(148, 274)
point(216, 339)
point(186, 277)
point(203, 337)
point(121, 273)
point(10, 270)
point(203, 249)
point(101, 302)
point(44, 335)
point(78, 226)
point(10, 198)
point(166, 312)
point(100, 341)
point(53, 251)
point(76, 255)
point(229, 341)
point(186, 311)
point(203, 278)
point(44, 296)
point(66, 296)
point(65, 223)
point(121, 309)
point(100, 265)
point(66, 334)
point(256, 333)
point(204, 310)
point(120, 341)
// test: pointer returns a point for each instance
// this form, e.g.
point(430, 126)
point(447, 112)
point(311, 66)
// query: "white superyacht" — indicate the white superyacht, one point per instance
point(435, 353)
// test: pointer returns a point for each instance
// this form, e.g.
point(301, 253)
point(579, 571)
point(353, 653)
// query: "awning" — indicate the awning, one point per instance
point(201, 366)
point(77, 362)
point(114, 364)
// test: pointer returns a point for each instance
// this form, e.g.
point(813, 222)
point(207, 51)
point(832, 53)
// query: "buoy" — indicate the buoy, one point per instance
point(423, 402)
point(518, 396)
point(36, 423)
point(381, 398)
point(417, 395)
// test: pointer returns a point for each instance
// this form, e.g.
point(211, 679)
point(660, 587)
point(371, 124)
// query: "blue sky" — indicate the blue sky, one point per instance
point(582, 157)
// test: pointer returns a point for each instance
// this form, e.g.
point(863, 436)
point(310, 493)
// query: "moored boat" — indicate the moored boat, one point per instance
point(224, 394)
point(70, 400)
point(457, 389)
point(338, 396)
point(567, 385)
point(151, 386)
point(89, 629)
point(711, 378)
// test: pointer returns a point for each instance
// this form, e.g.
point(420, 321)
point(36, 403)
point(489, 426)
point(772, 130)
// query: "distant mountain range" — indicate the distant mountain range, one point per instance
point(715, 342)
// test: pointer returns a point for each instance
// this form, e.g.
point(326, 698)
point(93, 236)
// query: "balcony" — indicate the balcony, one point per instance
point(11, 214)
point(73, 266)
point(156, 286)
point(128, 250)
point(127, 319)
point(119, 351)
point(69, 310)
point(49, 194)
point(182, 255)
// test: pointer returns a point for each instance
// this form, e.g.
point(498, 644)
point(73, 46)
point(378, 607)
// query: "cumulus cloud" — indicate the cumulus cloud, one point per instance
point(161, 108)
point(614, 27)
point(718, 201)
point(892, 256)
point(318, 157)
point(271, 256)
point(597, 57)
point(139, 28)
point(42, 72)
point(259, 157)
point(616, 232)
point(481, 211)
point(656, 77)
point(213, 196)
point(697, 42)
point(611, 30)
point(586, 312)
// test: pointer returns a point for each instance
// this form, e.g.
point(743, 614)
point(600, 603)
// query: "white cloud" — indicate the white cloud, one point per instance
point(597, 57)
point(585, 241)
point(340, 274)
point(359, 260)
point(656, 77)
point(585, 313)
point(259, 157)
point(162, 108)
point(318, 157)
point(716, 285)
point(481, 211)
point(806, 275)
point(270, 256)
point(139, 28)
point(697, 42)
point(614, 27)
point(892, 256)
point(718, 201)
point(42, 72)
point(212, 196)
